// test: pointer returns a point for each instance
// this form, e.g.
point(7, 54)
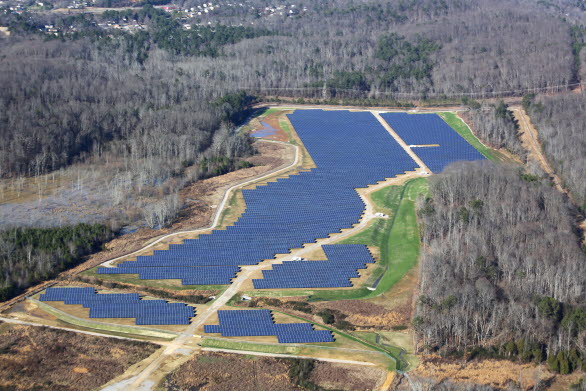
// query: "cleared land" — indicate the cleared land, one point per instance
point(222, 371)
point(37, 358)
point(396, 237)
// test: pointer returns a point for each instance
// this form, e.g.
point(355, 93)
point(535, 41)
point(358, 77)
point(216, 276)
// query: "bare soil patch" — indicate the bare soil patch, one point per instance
point(45, 359)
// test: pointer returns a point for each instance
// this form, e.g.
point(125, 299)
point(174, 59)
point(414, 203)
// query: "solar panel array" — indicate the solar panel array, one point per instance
point(123, 305)
point(426, 129)
point(343, 263)
point(255, 323)
point(350, 149)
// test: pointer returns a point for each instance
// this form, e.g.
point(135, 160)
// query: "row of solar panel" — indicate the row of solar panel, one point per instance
point(251, 323)
point(292, 211)
point(122, 305)
point(342, 264)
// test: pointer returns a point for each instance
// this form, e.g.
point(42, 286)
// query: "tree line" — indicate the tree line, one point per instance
point(503, 269)
point(31, 255)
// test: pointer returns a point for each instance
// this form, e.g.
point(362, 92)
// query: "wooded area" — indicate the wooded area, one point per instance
point(495, 125)
point(561, 121)
point(503, 270)
point(502, 274)
point(31, 255)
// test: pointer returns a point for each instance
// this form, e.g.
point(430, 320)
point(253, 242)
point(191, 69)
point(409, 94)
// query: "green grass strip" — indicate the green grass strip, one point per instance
point(212, 342)
point(463, 130)
point(112, 328)
point(398, 240)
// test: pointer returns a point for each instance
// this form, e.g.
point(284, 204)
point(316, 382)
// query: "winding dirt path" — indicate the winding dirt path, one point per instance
point(220, 207)
point(248, 353)
point(152, 374)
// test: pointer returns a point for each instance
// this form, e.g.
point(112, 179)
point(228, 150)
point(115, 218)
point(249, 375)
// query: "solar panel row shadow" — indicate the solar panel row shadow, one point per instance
point(429, 129)
point(123, 305)
point(256, 323)
point(350, 149)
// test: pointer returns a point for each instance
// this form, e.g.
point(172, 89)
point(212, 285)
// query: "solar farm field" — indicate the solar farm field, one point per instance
point(338, 225)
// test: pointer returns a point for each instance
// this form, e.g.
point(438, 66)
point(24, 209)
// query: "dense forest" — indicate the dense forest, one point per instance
point(503, 270)
point(561, 121)
point(63, 102)
point(31, 255)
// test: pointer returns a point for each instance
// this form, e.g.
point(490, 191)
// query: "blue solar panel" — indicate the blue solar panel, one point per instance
point(343, 263)
point(123, 305)
point(427, 129)
point(350, 150)
point(255, 323)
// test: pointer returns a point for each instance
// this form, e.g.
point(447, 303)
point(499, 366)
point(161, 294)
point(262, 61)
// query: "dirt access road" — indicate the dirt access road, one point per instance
point(220, 207)
point(530, 140)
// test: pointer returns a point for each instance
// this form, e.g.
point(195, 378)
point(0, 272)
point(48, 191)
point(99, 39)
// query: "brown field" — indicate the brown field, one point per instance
point(228, 372)
point(347, 377)
point(392, 308)
point(365, 314)
point(495, 373)
point(213, 371)
point(45, 359)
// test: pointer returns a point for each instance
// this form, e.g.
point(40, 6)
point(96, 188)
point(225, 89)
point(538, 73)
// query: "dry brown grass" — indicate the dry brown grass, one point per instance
point(495, 373)
point(366, 314)
point(347, 377)
point(228, 372)
point(44, 359)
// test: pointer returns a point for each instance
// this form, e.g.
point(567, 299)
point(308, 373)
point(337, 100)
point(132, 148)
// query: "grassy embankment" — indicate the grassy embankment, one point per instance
point(308, 350)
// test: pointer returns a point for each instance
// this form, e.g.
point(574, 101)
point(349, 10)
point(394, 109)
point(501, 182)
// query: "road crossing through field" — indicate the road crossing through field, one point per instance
point(151, 375)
